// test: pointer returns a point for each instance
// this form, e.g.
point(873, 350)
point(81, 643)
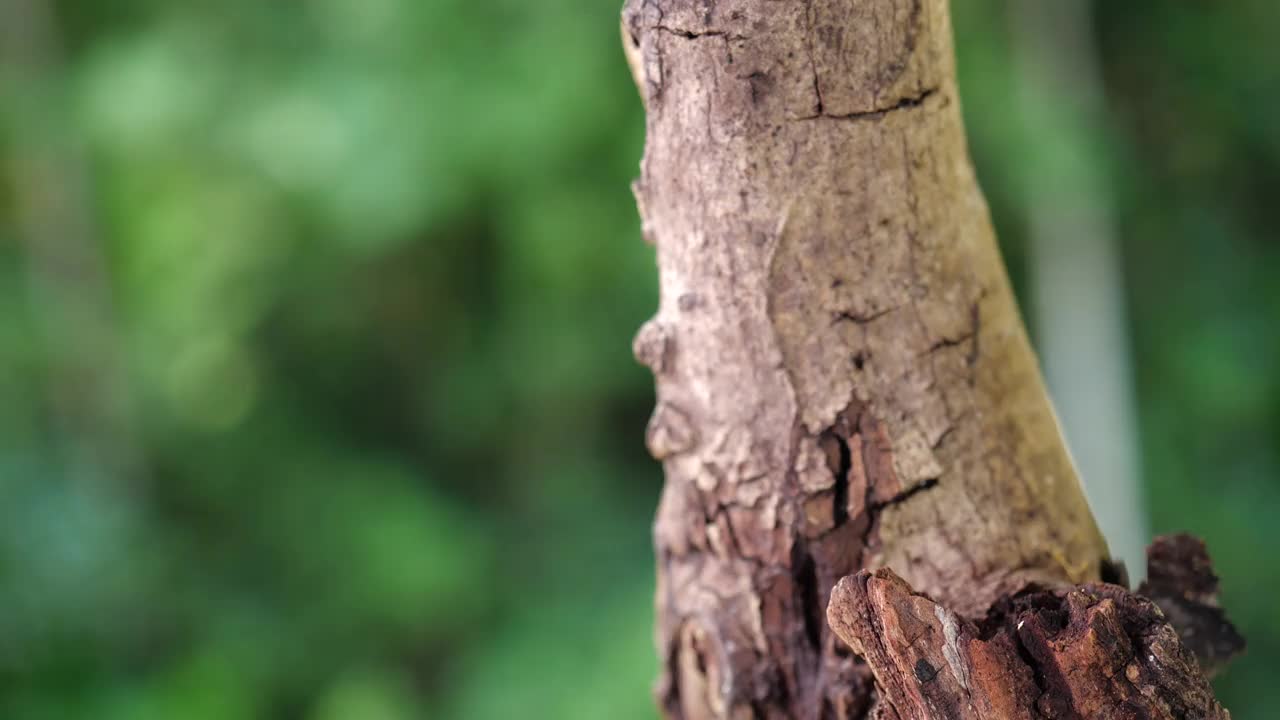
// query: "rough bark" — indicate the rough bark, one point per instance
point(843, 379)
point(1181, 581)
point(1095, 652)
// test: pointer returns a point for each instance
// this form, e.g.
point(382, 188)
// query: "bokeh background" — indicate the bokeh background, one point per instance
point(316, 393)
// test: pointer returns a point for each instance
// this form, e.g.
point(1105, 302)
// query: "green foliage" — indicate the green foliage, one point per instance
point(317, 391)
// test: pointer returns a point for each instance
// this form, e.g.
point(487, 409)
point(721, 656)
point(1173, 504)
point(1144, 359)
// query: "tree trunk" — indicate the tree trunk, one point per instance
point(843, 379)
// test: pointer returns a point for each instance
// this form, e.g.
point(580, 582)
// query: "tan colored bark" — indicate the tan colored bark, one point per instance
point(843, 379)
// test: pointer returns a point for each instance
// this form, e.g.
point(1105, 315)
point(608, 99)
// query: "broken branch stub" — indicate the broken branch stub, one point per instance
point(1095, 651)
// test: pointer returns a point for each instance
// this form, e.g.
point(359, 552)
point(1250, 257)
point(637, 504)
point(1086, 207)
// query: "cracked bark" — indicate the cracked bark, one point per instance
point(1089, 651)
point(843, 378)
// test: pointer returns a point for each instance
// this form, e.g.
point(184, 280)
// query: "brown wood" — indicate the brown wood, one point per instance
point(843, 379)
point(1092, 652)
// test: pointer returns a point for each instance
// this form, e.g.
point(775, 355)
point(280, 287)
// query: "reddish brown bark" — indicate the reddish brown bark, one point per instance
point(1093, 652)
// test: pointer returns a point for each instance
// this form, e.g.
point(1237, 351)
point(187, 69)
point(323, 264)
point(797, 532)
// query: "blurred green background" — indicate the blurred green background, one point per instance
point(316, 392)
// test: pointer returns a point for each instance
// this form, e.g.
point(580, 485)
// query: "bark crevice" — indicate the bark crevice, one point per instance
point(906, 103)
point(697, 34)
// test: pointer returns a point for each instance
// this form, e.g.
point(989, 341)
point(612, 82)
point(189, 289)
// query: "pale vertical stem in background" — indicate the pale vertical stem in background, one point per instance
point(1076, 281)
point(66, 266)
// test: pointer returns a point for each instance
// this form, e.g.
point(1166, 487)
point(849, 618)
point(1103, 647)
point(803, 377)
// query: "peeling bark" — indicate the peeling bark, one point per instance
point(843, 379)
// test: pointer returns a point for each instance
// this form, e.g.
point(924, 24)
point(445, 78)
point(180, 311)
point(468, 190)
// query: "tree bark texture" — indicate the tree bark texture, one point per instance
point(843, 379)
point(1088, 652)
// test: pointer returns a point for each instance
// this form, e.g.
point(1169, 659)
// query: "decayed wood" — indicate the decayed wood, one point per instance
point(1180, 579)
point(843, 379)
point(1094, 652)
